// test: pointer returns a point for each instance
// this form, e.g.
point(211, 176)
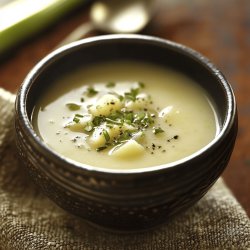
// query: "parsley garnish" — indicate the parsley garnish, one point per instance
point(141, 84)
point(73, 106)
point(101, 148)
point(91, 92)
point(98, 120)
point(76, 120)
point(110, 85)
point(78, 115)
point(106, 135)
point(132, 94)
point(157, 130)
point(113, 121)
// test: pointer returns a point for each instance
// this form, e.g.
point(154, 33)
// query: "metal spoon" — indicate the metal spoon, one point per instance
point(114, 16)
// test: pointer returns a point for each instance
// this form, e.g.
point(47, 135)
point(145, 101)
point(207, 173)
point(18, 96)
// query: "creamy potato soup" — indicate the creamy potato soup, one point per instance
point(125, 115)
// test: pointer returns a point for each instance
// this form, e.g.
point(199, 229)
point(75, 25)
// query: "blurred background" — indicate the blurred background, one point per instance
point(220, 30)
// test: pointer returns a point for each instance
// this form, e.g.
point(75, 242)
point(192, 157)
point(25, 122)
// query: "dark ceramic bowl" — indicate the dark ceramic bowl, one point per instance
point(125, 199)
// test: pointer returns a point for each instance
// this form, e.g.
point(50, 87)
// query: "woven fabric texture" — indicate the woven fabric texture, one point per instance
point(29, 220)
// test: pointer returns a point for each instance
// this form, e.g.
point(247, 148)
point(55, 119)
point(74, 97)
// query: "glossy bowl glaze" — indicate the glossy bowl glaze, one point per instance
point(125, 199)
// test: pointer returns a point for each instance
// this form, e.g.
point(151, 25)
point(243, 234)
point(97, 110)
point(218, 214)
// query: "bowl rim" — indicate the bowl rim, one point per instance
point(27, 127)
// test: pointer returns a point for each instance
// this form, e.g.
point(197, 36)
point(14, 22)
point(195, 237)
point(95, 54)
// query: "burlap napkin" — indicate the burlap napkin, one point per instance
point(29, 220)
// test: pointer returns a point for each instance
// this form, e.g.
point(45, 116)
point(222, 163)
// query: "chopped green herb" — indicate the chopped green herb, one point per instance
point(106, 135)
point(91, 92)
point(141, 84)
point(73, 106)
point(132, 94)
point(139, 117)
point(76, 120)
point(98, 120)
point(101, 148)
point(126, 135)
point(128, 117)
point(121, 98)
point(143, 119)
point(157, 130)
point(78, 115)
point(113, 121)
point(110, 85)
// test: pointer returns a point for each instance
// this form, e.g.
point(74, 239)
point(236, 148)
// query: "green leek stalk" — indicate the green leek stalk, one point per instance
point(22, 18)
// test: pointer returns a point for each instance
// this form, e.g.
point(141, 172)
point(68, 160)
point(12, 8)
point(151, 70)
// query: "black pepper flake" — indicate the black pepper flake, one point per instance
point(176, 137)
point(163, 151)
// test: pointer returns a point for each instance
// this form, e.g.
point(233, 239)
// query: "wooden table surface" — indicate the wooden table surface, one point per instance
point(218, 29)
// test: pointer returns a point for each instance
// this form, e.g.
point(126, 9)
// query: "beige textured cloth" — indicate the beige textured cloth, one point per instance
point(29, 220)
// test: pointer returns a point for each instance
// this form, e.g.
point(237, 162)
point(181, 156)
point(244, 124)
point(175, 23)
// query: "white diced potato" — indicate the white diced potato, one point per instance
point(170, 114)
point(79, 127)
point(141, 102)
point(106, 105)
point(114, 131)
point(97, 139)
point(166, 111)
point(129, 149)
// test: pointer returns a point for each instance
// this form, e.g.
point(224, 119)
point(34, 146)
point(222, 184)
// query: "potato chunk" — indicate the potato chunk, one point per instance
point(129, 149)
point(170, 114)
point(106, 105)
point(80, 125)
point(98, 139)
point(141, 102)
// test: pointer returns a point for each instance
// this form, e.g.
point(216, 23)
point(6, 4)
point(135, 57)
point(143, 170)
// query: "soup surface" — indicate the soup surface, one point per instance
point(125, 115)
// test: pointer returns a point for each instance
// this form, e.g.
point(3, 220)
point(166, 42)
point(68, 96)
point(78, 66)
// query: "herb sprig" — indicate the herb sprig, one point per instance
point(91, 91)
